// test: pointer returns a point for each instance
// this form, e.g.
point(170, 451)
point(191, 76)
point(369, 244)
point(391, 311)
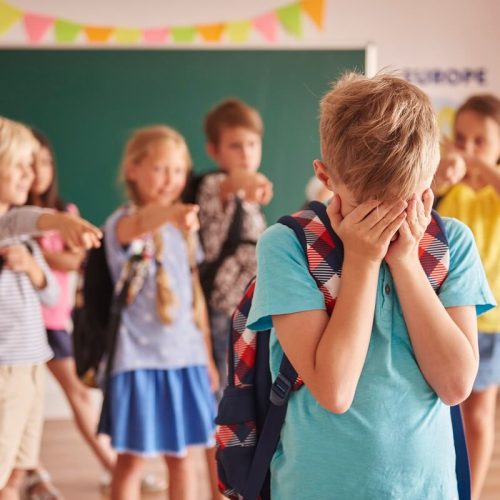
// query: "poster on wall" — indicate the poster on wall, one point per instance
point(448, 87)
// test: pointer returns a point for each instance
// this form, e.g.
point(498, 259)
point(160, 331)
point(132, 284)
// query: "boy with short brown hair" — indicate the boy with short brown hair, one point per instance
point(231, 219)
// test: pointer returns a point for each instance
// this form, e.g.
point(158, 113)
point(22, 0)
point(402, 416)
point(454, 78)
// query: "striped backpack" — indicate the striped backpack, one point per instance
point(253, 407)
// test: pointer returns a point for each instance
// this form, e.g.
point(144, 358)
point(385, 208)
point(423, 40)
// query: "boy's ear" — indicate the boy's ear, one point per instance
point(322, 174)
point(211, 150)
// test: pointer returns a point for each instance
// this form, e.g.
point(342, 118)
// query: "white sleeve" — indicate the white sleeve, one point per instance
point(20, 221)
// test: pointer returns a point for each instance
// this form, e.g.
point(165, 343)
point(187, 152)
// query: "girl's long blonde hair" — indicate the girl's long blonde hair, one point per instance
point(139, 146)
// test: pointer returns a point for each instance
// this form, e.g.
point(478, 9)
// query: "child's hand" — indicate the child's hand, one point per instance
point(404, 250)
point(451, 169)
point(76, 232)
point(213, 375)
point(18, 258)
point(185, 217)
point(367, 231)
point(252, 187)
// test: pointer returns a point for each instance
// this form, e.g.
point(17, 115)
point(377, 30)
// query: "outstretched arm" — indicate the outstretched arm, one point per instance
point(489, 173)
point(154, 215)
point(21, 221)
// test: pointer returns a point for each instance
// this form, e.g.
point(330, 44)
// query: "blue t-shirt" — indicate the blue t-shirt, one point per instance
point(396, 441)
point(144, 342)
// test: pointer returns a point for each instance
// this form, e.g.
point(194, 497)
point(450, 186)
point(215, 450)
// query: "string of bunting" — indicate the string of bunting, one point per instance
point(38, 26)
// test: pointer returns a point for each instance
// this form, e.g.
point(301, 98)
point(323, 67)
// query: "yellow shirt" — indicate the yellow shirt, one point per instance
point(480, 210)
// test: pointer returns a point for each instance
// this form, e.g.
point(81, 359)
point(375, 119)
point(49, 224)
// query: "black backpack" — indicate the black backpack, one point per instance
point(96, 316)
point(209, 270)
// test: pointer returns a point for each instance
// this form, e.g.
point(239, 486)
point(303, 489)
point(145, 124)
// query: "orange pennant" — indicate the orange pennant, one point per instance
point(211, 32)
point(98, 34)
point(315, 9)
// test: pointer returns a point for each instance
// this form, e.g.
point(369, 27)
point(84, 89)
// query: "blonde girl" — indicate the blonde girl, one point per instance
point(468, 178)
point(160, 398)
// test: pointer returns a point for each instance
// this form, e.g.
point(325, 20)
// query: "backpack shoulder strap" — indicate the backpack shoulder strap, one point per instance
point(322, 247)
point(434, 252)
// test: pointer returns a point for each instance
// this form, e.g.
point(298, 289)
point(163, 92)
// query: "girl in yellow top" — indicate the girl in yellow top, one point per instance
point(468, 178)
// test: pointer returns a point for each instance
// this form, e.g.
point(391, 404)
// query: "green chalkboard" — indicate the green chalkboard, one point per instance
point(88, 101)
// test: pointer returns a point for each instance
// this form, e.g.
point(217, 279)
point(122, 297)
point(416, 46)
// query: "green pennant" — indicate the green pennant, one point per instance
point(183, 34)
point(66, 31)
point(290, 18)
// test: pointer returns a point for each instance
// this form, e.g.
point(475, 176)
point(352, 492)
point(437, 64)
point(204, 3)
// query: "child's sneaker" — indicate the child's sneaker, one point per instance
point(38, 486)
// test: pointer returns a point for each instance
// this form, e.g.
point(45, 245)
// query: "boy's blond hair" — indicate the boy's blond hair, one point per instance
point(231, 113)
point(16, 141)
point(379, 136)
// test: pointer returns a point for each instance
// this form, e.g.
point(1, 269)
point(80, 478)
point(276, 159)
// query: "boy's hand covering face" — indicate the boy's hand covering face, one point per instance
point(404, 250)
point(367, 230)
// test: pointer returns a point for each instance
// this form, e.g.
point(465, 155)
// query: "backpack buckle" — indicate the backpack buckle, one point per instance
point(280, 390)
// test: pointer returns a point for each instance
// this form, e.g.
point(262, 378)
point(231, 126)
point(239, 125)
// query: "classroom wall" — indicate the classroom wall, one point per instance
point(449, 47)
point(452, 42)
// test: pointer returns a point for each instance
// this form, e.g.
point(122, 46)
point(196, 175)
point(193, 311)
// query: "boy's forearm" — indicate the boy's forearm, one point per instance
point(446, 357)
point(342, 349)
point(491, 174)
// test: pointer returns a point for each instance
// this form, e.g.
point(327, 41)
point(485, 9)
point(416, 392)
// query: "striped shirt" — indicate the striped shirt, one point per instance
point(23, 339)
point(20, 221)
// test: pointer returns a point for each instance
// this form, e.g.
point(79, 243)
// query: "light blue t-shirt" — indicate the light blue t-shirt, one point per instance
point(396, 441)
point(144, 342)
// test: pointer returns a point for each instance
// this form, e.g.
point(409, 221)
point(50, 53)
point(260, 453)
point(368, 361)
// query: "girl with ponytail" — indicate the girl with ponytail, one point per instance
point(161, 395)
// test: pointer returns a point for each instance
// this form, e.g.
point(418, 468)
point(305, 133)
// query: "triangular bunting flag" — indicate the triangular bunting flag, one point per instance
point(185, 34)
point(98, 34)
point(8, 16)
point(289, 17)
point(127, 35)
point(211, 32)
point(238, 32)
point(36, 26)
point(267, 25)
point(66, 31)
point(155, 35)
point(315, 9)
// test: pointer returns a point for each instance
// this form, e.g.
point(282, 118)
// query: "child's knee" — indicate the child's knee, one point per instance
point(129, 464)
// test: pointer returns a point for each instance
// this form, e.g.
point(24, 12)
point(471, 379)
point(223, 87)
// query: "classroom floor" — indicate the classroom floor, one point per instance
point(77, 474)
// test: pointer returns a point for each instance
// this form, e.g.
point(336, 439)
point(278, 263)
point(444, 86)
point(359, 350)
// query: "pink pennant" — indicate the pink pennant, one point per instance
point(267, 25)
point(155, 35)
point(36, 26)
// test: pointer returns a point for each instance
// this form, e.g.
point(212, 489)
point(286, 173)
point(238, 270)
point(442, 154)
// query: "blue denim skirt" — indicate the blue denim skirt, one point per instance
point(159, 412)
